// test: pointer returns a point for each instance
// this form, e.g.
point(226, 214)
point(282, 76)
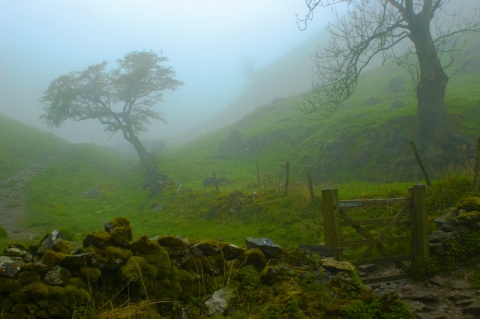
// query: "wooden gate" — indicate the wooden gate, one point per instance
point(412, 210)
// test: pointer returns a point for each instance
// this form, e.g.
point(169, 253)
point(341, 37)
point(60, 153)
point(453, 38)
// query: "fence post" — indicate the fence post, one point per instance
point(331, 221)
point(419, 161)
point(287, 178)
point(310, 186)
point(476, 170)
point(258, 174)
point(420, 242)
point(215, 181)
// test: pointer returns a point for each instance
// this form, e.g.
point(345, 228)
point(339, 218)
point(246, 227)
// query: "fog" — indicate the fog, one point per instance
point(213, 45)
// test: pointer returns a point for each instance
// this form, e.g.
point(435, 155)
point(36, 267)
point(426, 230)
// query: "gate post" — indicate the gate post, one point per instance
point(420, 242)
point(331, 221)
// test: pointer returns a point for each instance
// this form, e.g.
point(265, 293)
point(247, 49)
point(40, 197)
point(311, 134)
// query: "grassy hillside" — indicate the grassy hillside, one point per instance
point(22, 145)
point(367, 139)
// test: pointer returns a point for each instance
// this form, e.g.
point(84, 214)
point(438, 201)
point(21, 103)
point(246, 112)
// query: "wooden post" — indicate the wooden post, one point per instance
point(331, 221)
point(287, 178)
point(310, 186)
point(419, 161)
point(215, 181)
point(420, 242)
point(476, 169)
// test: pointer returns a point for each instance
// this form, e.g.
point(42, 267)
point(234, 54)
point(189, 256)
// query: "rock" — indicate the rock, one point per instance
point(219, 302)
point(335, 265)
point(98, 240)
point(173, 241)
point(439, 281)
point(18, 252)
point(9, 268)
point(266, 245)
point(469, 203)
point(425, 296)
point(208, 248)
point(58, 276)
point(461, 285)
point(321, 250)
point(53, 239)
point(231, 252)
point(442, 237)
point(473, 308)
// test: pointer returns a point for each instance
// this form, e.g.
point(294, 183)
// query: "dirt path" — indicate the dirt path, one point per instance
point(13, 198)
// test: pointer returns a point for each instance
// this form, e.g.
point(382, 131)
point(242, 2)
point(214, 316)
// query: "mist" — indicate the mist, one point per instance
point(214, 46)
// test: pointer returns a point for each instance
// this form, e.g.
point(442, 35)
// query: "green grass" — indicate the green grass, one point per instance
point(22, 145)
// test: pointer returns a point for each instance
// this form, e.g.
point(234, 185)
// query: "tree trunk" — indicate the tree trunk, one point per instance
point(435, 133)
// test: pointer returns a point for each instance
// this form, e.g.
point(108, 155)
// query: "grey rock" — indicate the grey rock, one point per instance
point(58, 276)
point(266, 245)
point(473, 308)
point(231, 252)
point(53, 239)
point(333, 264)
point(440, 236)
point(9, 267)
point(425, 296)
point(219, 302)
point(18, 252)
point(321, 250)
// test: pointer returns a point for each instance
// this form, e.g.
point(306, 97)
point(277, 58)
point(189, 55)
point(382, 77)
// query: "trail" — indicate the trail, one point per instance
point(13, 197)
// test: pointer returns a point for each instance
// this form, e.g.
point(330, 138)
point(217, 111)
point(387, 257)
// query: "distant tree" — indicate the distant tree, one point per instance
point(121, 98)
point(385, 28)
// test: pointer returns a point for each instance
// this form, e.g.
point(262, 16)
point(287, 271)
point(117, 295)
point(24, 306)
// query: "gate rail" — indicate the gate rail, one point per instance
point(413, 212)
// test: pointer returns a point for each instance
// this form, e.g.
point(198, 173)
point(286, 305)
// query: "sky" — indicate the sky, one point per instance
point(204, 40)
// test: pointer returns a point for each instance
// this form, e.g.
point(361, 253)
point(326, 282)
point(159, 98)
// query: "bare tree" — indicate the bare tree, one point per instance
point(393, 30)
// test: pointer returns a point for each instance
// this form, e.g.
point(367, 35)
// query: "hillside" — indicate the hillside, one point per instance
point(22, 145)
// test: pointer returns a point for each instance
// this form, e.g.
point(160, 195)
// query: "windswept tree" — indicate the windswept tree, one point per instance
point(122, 99)
point(392, 30)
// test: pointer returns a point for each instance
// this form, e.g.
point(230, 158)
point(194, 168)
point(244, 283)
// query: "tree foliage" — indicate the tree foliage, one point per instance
point(121, 98)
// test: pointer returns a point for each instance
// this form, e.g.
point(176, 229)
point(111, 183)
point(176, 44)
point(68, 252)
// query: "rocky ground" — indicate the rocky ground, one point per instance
point(445, 296)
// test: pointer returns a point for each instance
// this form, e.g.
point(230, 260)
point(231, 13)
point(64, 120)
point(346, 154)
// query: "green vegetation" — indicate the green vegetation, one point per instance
point(21, 145)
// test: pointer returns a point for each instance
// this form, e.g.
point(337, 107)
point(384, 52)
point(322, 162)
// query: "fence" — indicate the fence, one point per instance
point(335, 217)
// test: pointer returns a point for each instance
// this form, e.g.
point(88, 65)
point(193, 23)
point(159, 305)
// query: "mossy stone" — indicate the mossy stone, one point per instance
point(52, 258)
point(121, 235)
point(90, 274)
point(465, 217)
point(8, 285)
point(120, 222)
point(469, 203)
point(136, 269)
point(57, 310)
point(63, 246)
point(256, 258)
point(153, 254)
point(28, 277)
point(98, 240)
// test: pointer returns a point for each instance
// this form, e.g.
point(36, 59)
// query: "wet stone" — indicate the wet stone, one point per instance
point(266, 245)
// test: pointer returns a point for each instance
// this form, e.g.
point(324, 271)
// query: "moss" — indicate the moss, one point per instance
point(63, 246)
point(121, 235)
point(8, 285)
point(469, 203)
point(137, 269)
point(468, 217)
point(256, 258)
point(153, 254)
point(120, 222)
point(29, 293)
point(52, 258)
point(90, 274)
point(98, 240)
point(28, 277)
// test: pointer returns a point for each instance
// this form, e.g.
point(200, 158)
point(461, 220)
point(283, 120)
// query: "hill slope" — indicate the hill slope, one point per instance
point(22, 145)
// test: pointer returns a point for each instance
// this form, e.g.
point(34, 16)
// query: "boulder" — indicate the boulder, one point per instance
point(219, 302)
point(266, 245)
